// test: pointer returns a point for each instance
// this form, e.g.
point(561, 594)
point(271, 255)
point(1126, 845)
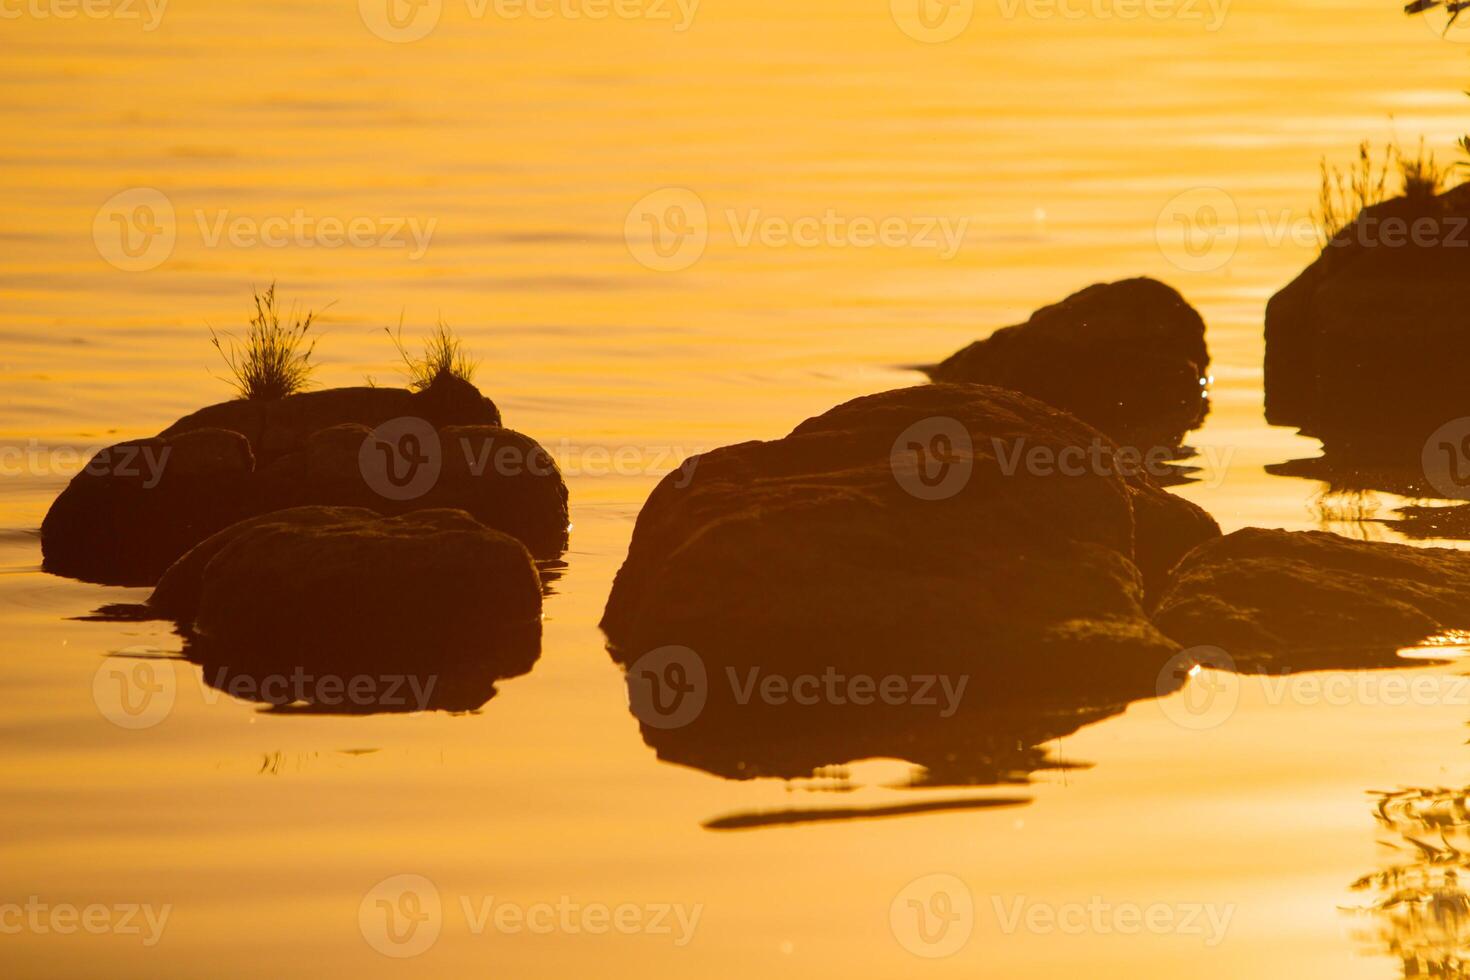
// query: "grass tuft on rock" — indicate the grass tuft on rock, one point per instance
point(274, 360)
point(444, 356)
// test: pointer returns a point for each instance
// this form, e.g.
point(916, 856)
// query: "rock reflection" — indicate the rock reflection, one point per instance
point(987, 728)
point(342, 682)
point(1420, 908)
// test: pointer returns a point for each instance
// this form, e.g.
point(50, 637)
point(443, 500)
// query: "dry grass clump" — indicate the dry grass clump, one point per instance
point(444, 356)
point(1345, 193)
point(275, 358)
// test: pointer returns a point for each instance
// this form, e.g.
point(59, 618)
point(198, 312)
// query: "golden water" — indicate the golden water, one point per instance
point(523, 143)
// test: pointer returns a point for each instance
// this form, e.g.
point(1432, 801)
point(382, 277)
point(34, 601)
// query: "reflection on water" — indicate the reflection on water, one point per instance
point(1419, 906)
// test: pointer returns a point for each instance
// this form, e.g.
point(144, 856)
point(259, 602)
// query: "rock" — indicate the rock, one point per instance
point(138, 505)
point(390, 450)
point(502, 478)
point(1128, 357)
point(178, 593)
point(336, 592)
point(904, 531)
point(276, 428)
point(1368, 348)
point(1301, 600)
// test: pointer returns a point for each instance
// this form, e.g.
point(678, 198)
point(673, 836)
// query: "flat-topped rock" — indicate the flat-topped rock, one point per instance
point(1298, 600)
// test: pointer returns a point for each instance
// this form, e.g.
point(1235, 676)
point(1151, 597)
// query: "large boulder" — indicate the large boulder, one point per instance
point(1369, 346)
point(390, 450)
point(942, 529)
point(1301, 600)
point(432, 599)
point(1128, 357)
point(137, 506)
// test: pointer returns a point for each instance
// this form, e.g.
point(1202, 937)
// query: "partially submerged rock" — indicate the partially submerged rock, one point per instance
point(137, 506)
point(915, 530)
point(432, 598)
point(1369, 347)
point(390, 450)
point(1299, 600)
point(1128, 357)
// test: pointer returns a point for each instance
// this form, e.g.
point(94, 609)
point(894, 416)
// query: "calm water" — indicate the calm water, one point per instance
point(516, 147)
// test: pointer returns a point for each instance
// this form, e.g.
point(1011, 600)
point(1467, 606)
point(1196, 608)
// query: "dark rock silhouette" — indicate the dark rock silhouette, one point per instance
point(284, 426)
point(1369, 347)
point(1299, 600)
point(430, 609)
point(1128, 357)
point(178, 593)
point(820, 535)
point(139, 506)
